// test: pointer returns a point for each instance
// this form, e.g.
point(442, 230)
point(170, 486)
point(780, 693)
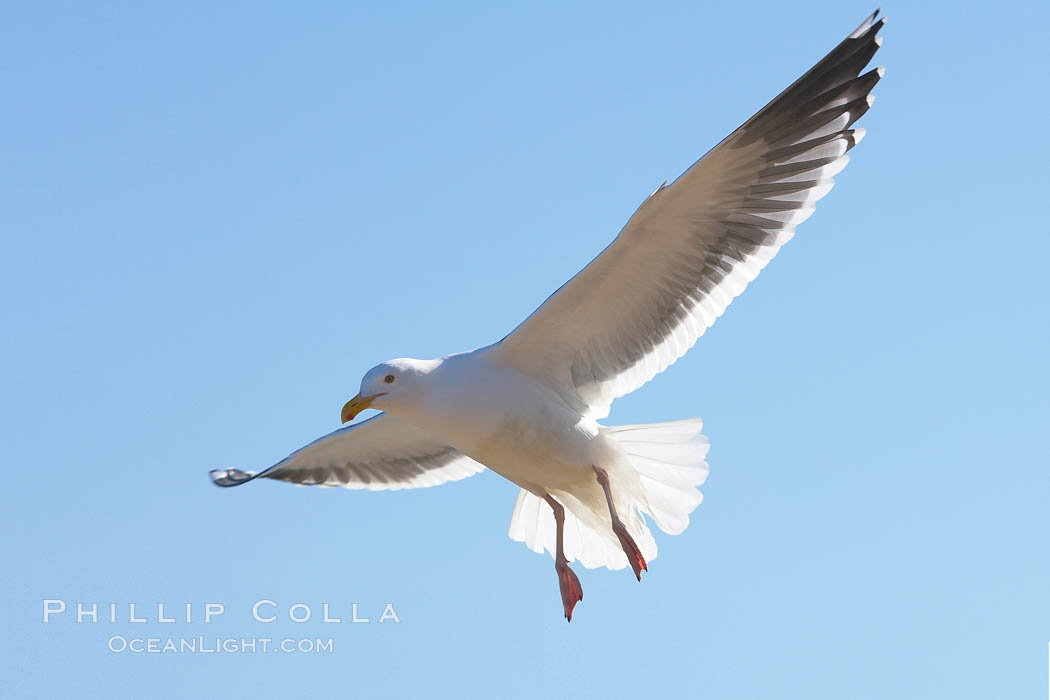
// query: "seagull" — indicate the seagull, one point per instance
point(528, 407)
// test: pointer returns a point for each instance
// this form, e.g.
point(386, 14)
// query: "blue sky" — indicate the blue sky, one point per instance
point(215, 219)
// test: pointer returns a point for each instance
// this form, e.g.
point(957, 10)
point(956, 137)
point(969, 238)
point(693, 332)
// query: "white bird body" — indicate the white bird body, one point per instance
point(508, 421)
point(528, 406)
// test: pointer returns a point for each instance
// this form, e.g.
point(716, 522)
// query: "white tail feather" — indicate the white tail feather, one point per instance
point(533, 524)
point(668, 459)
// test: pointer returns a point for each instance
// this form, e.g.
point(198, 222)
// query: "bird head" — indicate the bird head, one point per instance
point(389, 385)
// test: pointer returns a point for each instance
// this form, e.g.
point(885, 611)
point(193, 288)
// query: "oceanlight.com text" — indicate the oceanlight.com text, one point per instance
point(120, 644)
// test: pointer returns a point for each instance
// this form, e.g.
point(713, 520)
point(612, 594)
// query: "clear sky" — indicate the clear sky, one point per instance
point(215, 218)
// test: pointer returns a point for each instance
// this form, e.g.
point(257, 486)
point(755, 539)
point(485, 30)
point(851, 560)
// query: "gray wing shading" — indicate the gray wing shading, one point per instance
point(693, 246)
point(378, 454)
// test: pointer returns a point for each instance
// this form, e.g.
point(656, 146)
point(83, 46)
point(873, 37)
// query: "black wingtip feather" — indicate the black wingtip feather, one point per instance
point(866, 23)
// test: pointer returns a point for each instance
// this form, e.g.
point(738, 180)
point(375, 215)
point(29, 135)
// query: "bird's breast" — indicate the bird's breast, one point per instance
point(512, 425)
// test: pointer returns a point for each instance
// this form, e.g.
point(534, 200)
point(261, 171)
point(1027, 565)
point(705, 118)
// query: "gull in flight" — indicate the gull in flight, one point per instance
point(529, 406)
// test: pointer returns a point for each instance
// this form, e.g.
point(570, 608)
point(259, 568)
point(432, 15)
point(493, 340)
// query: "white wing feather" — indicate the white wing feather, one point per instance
point(380, 453)
point(695, 245)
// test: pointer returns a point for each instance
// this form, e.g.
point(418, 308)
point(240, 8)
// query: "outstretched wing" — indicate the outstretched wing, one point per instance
point(695, 245)
point(377, 454)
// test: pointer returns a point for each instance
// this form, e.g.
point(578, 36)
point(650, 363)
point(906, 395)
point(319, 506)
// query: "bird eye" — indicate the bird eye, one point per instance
point(389, 379)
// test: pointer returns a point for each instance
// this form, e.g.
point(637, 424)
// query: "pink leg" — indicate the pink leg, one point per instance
point(571, 591)
point(630, 548)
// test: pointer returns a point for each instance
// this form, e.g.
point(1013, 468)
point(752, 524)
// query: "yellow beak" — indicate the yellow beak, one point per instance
point(358, 404)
